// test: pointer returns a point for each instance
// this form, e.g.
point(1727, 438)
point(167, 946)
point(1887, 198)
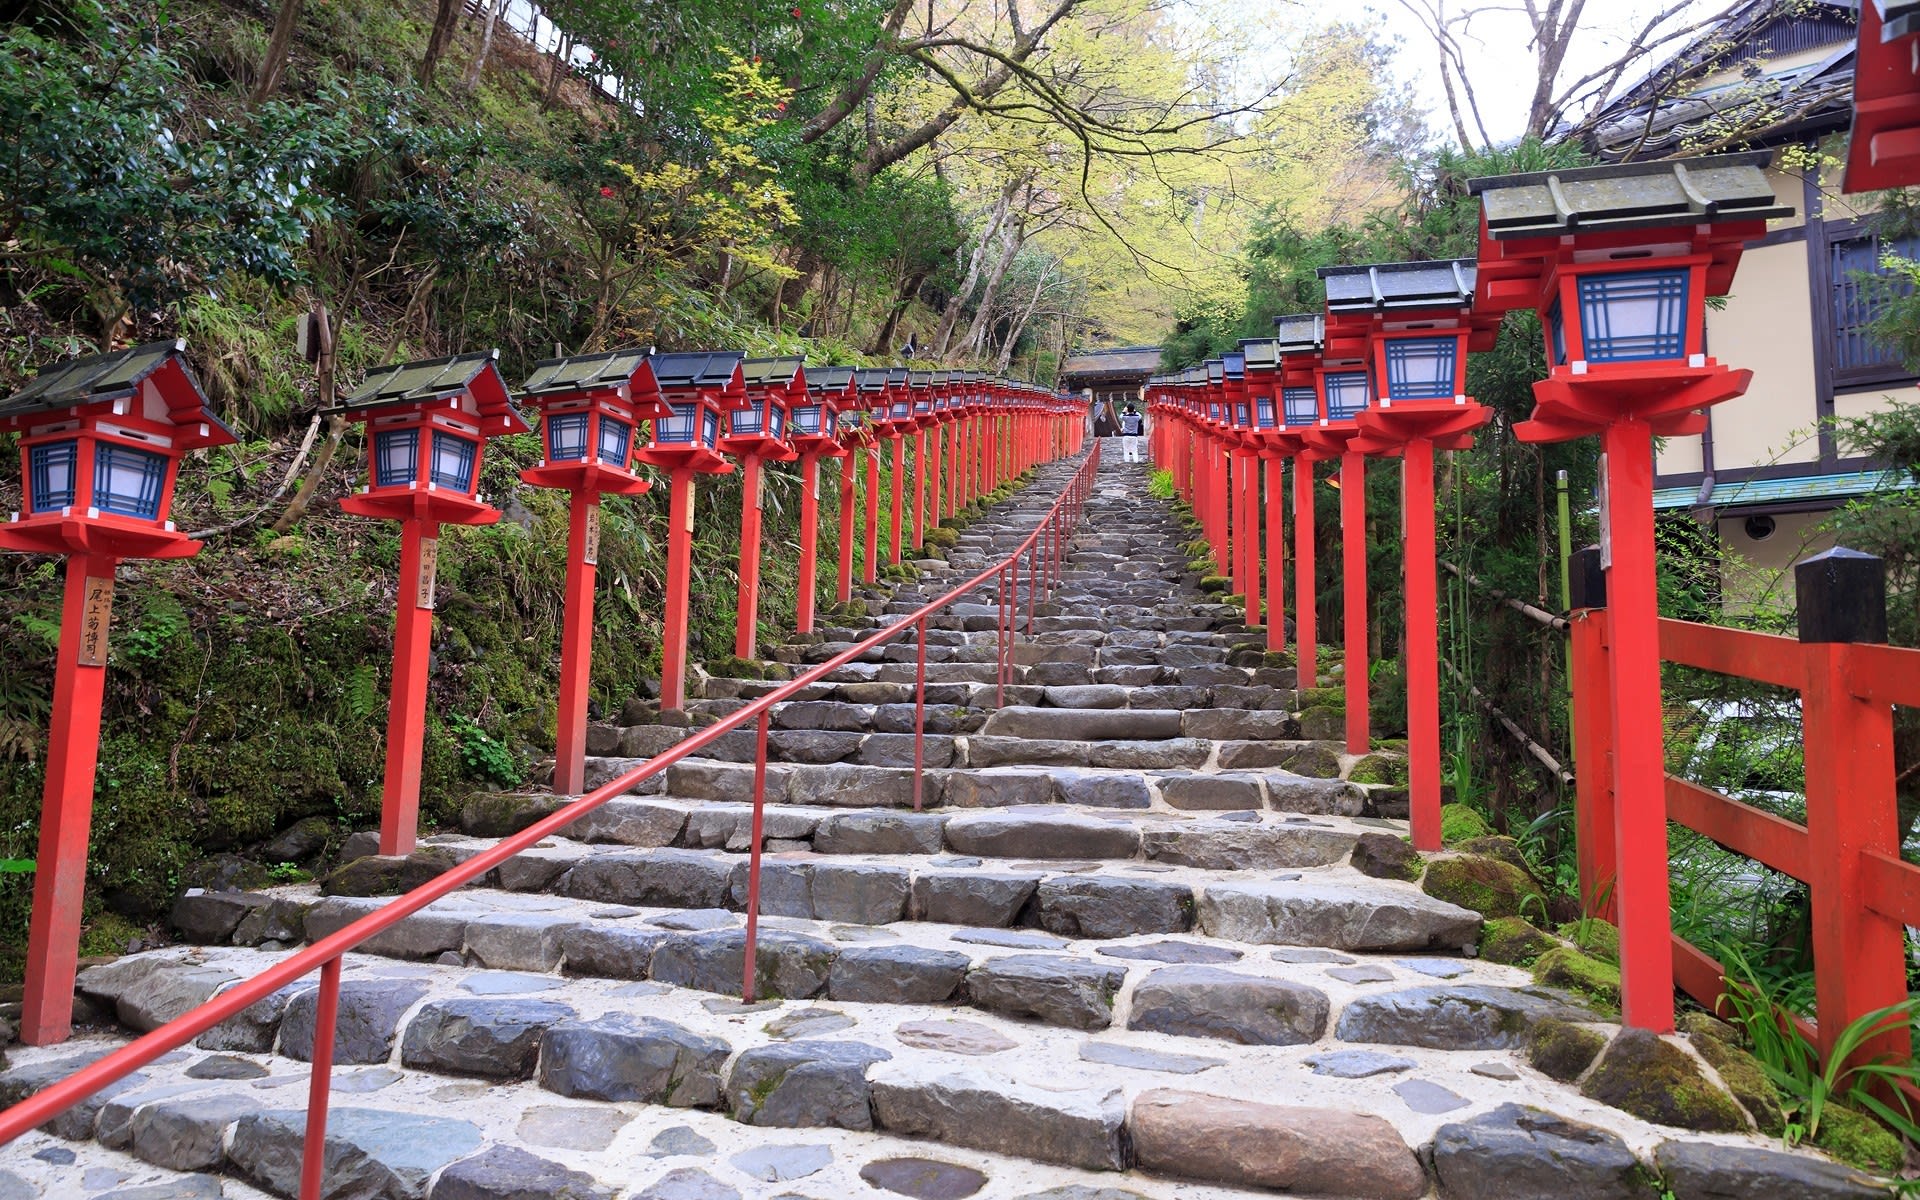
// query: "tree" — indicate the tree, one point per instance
point(1563, 104)
point(279, 46)
point(472, 78)
point(446, 18)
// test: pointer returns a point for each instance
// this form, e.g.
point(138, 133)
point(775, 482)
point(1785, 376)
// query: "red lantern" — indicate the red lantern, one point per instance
point(101, 439)
point(1883, 150)
point(756, 431)
point(428, 423)
point(590, 410)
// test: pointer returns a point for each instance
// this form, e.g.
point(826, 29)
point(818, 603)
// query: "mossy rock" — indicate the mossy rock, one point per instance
point(1217, 584)
point(1323, 697)
point(1324, 724)
point(1514, 941)
point(1562, 1050)
point(1568, 968)
point(1657, 1081)
point(1278, 659)
point(374, 875)
point(1494, 846)
point(1698, 1025)
point(1315, 762)
point(1389, 769)
point(1859, 1141)
point(1384, 856)
point(1598, 938)
point(1485, 885)
point(732, 667)
point(1458, 823)
point(941, 535)
point(1742, 1074)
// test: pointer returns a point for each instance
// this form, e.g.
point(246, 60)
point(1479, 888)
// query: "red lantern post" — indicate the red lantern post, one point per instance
point(428, 424)
point(1418, 320)
point(757, 433)
point(876, 398)
point(855, 435)
point(1244, 448)
point(1343, 388)
point(696, 387)
point(101, 439)
point(1619, 262)
point(814, 428)
point(1297, 344)
point(590, 409)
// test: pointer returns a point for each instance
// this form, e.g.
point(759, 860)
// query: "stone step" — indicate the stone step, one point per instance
point(453, 1080)
point(1325, 907)
point(1125, 775)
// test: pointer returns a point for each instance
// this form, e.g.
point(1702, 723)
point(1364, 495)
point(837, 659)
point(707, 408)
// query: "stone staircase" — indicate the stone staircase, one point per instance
point(1123, 952)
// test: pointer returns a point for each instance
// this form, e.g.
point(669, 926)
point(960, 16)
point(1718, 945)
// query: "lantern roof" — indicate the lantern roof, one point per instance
point(1216, 370)
point(920, 379)
point(1260, 354)
point(1639, 195)
point(1381, 287)
point(871, 379)
point(833, 380)
point(427, 380)
point(1300, 333)
point(782, 372)
point(591, 373)
point(102, 378)
point(941, 378)
point(1234, 364)
point(697, 369)
point(1898, 18)
point(896, 377)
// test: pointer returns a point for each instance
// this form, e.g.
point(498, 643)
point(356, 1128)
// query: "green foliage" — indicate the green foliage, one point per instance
point(484, 755)
point(1816, 1093)
point(1160, 484)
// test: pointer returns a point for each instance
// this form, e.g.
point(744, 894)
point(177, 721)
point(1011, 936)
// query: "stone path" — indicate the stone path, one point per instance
point(1123, 954)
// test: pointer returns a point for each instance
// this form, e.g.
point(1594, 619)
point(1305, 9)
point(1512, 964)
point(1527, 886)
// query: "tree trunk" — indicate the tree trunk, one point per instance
point(975, 262)
point(472, 79)
point(908, 291)
point(1010, 243)
point(1020, 326)
point(446, 17)
point(562, 47)
point(274, 68)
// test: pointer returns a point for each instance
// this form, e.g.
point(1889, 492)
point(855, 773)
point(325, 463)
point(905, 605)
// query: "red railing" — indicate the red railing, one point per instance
point(1040, 555)
point(1861, 893)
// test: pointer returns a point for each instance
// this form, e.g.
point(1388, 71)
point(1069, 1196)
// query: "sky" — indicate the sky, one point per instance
point(1501, 63)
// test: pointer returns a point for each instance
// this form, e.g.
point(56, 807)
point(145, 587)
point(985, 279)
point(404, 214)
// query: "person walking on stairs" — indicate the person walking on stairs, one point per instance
point(1132, 425)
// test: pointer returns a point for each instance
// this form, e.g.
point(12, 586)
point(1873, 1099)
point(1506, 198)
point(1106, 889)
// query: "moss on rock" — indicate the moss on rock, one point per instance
point(1488, 886)
point(1563, 1050)
point(1390, 769)
point(1503, 848)
point(1859, 1141)
point(1323, 697)
point(1514, 941)
point(1598, 938)
point(1572, 970)
point(1384, 856)
point(1742, 1074)
point(1657, 1081)
point(1217, 584)
point(1458, 823)
point(1323, 724)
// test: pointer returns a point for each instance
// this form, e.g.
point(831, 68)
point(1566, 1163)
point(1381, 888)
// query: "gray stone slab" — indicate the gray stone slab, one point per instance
point(621, 1057)
point(804, 1084)
point(1357, 1064)
point(1211, 1002)
point(1114, 1054)
point(1050, 988)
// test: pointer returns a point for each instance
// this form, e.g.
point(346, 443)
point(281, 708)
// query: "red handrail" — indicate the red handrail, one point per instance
point(325, 954)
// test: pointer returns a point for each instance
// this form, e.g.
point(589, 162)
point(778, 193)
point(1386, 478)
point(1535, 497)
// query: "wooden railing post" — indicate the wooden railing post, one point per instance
point(1592, 736)
point(1859, 955)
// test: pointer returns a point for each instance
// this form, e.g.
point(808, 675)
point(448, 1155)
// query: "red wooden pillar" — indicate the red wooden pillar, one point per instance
point(66, 807)
point(1276, 554)
point(919, 488)
point(1423, 646)
point(809, 541)
point(576, 645)
point(747, 609)
point(1220, 483)
point(870, 568)
point(1593, 739)
point(1353, 586)
point(1639, 765)
point(407, 701)
point(956, 461)
point(849, 477)
point(1853, 808)
point(1305, 619)
point(1249, 536)
point(935, 444)
point(673, 640)
point(896, 510)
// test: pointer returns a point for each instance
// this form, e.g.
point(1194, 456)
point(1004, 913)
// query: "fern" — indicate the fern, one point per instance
point(362, 696)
